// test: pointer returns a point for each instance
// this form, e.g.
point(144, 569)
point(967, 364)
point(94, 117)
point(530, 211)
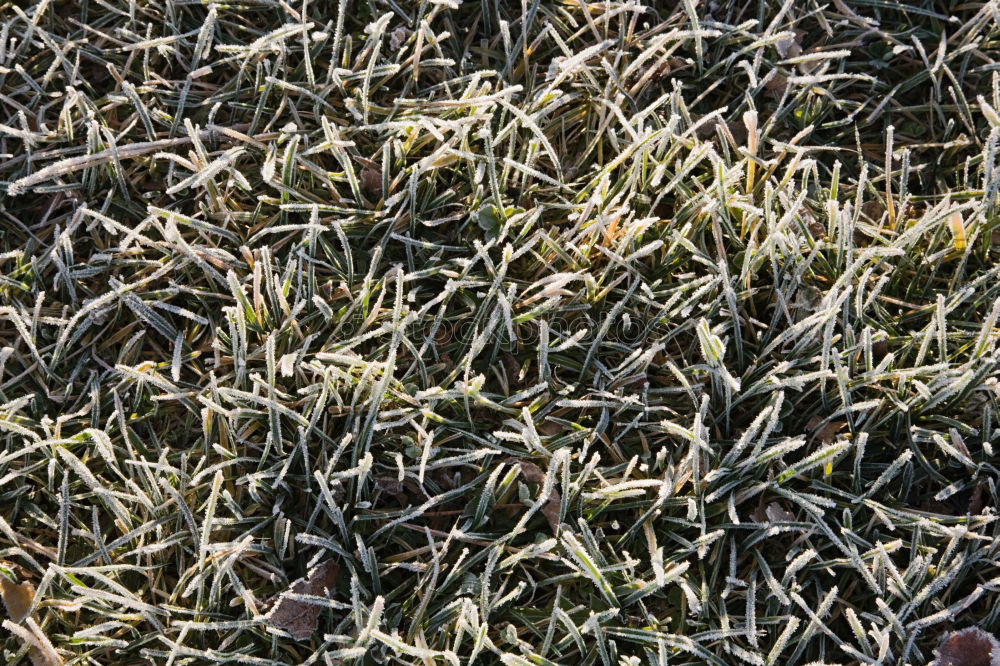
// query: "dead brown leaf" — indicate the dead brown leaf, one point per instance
point(389, 484)
point(398, 37)
point(549, 428)
point(371, 180)
point(778, 514)
point(873, 210)
point(968, 647)
point(552, 507)
point(531, 472)
point(879, 350)
point(16, 598)
point(298, 616)
point(976, 502)
point(735, 131)
point(775, 84)
point(772, 513)
point(789, 47)
point(826, 432)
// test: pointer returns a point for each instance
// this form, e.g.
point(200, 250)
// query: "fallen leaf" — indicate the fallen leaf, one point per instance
point(16, 598)
point(389, 484)
point(398, 37)
point(873, 210)
point(777, 513)
point(776, 83)
point(827, 432)
point(553, 505)
point(735, 129)
point(299, 616)
point(445, 480)
point(789, 47)
point(531, 472)
point(371, 180)
point(549, 428)
point(976, 502)
point(968, 647)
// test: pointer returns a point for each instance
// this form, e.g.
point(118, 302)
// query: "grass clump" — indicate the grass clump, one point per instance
point(538, 332)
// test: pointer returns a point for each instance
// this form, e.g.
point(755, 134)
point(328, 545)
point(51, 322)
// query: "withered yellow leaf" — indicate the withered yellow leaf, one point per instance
point(957, 227)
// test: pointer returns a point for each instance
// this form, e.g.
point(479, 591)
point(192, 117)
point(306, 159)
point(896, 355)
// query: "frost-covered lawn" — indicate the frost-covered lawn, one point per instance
point(516, 332)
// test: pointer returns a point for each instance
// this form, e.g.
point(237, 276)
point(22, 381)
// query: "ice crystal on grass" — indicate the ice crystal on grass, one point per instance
point(499, 332)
